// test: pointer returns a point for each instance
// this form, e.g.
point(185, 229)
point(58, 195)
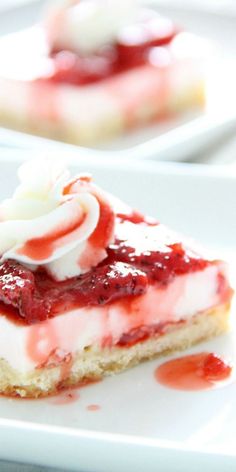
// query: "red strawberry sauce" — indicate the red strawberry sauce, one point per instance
point(41, 248)
point(194, 372)
point(30, 297)
point(93, 407)
point(132, 49)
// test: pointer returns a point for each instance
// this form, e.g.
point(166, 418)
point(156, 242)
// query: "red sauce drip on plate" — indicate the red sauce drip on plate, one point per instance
point(66, 398)
point(71, 395)
point(194, 372)
point(93, 407)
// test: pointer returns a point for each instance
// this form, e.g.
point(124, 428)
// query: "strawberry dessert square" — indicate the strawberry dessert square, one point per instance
point(94, 70)
point(90, 287)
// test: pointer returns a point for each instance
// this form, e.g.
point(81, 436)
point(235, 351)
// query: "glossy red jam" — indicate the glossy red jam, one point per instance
point(125, 273)
point(195, 372)
point(132, 49)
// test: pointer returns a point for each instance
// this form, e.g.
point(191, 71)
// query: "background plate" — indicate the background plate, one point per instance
point(140, 424)
point(217, 28)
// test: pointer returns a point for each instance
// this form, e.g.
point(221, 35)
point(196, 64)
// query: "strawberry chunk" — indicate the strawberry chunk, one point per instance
point(214, 368)
point(111, 282)
point(18, 289)
point(101, 285)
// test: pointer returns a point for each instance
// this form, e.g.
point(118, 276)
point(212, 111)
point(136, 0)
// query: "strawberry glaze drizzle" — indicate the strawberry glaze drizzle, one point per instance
point(42, 248)
point(41, 342)
point(102, 234)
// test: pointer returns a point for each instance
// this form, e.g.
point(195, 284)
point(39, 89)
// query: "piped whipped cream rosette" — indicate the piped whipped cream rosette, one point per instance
point(87, 25)
point(63, 227)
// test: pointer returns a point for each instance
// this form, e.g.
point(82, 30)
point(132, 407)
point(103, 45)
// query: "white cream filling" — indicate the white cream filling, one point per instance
point(25, 347)
point(88, 108)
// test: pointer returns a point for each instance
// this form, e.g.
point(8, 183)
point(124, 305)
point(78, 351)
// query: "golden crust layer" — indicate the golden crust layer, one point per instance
point(94, 363)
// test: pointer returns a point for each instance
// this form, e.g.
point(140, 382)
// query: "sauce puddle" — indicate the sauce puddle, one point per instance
point(193, 372)
point(93, 407)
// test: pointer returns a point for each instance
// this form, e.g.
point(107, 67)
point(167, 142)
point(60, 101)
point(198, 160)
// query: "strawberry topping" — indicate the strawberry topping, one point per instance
point(18, 289)
point(125, 272)
point(159, 266)
point(37, 297)
point(132, 48)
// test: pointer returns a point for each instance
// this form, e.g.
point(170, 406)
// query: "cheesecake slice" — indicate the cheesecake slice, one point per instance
point(94, 70)
point(89, 287)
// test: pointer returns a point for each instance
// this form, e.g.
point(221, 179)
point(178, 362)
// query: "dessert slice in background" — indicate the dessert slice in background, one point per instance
point(90, 287)
point(96, 69)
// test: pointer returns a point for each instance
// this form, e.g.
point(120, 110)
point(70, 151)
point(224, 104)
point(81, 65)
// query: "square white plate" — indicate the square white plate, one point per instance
point(162, 141)
point(140, 424)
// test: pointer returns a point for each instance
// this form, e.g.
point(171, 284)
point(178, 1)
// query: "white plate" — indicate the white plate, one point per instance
point(141, 425)
point(155, 141)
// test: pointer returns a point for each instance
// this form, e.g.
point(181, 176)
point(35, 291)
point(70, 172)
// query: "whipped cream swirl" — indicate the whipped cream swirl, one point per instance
point(49, 222)
point(85, 26)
